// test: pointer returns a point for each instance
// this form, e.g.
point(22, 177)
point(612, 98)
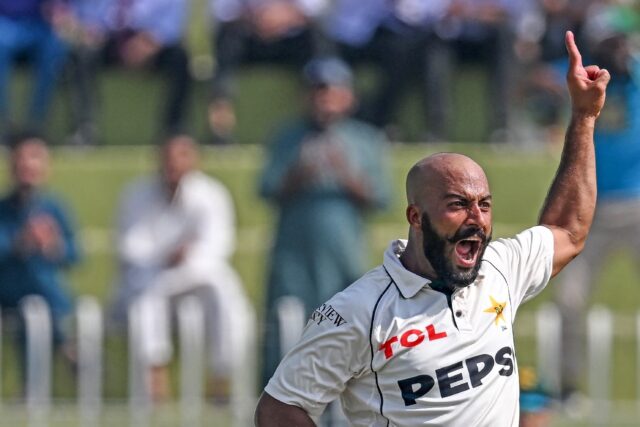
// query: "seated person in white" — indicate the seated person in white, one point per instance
point(175, 237)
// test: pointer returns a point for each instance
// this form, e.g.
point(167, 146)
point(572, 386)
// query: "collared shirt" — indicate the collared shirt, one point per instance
point(398, 354)
point(151, 228)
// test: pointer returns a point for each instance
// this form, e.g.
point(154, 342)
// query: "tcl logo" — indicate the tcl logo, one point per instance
point(410, 338)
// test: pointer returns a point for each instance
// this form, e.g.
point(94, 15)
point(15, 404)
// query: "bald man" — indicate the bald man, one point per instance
point(427, 337)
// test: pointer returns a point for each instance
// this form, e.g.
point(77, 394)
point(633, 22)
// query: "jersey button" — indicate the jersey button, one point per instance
point(458, 313)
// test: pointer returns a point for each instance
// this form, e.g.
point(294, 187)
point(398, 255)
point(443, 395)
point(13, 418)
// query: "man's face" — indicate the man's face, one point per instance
point(30, 164)
point(331, 102)
point(178, 157)
point(456, 228)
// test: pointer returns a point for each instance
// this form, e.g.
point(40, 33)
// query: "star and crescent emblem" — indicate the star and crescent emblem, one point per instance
point(497, 308)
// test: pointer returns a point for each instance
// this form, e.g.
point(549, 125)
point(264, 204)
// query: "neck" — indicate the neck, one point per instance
point(23, 193)
point(442, 286)
point(170, 191)
point(413, 259)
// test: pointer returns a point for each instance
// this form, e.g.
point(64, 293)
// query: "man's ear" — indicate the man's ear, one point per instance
point(414, 217)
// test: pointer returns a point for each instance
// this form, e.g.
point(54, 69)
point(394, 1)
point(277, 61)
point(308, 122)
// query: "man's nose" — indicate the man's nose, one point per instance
point(477, 216)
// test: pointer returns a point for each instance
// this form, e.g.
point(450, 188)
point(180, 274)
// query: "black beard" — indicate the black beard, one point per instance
point(433, 245)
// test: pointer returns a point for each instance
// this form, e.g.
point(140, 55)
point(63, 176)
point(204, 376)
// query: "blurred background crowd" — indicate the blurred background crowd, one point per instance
point(412, 46)
point(324, 170)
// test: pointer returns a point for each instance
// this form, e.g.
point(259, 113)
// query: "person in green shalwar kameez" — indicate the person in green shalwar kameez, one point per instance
point(323, 173)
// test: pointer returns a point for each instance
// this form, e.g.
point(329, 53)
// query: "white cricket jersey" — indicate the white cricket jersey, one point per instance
point(397, 354)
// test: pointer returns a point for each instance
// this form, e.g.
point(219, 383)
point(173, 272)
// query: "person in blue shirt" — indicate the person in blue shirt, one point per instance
point(37, 238)
point(27, 31)
point(616, 223)
point(323, 174)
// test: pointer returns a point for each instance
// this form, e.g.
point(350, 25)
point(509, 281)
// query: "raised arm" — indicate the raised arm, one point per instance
point(569, 206)
point(273, 413)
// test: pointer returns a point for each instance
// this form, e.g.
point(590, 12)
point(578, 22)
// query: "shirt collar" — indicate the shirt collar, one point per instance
point(408, 283)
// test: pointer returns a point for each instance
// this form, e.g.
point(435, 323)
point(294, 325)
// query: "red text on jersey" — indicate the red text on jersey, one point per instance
point(410, 338)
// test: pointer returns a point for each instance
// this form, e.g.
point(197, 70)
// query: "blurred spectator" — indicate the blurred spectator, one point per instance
point(542, 93)
point(617, 217)
point(253, 31)
point(535, 401)
point(37, 241)
point(176, 234)
point(27, 32)
point(136, 34)
point(323, 173)
point(486, 31)
point(397, 38)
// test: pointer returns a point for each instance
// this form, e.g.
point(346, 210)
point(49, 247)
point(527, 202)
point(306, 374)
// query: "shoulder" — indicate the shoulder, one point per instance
point(53, 201)
point(289, 132)
point(362, 128)
point(141, 193)
point(199, 178)
point(525, 247)
point(198, 182)
point(529, 238)
point(141, 185)
point(356, 304)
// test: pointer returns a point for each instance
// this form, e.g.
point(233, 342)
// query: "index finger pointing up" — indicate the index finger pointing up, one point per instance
point(575, 59)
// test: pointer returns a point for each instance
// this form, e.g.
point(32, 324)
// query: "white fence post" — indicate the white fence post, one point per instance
point(191, 328)
point(638, 363)
point(1, 350)
point(549, 346)
point(39, 353)
point(600, 344)
point(90, 359)
point(243, 384)
point(139, 398)
point(291, 318)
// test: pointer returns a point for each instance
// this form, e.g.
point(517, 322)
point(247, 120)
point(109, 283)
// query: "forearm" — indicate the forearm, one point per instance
point(273, 413)
point(571, 200)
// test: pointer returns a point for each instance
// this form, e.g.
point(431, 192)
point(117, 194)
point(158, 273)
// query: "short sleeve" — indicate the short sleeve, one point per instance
point(333, 349)
point(526, 261)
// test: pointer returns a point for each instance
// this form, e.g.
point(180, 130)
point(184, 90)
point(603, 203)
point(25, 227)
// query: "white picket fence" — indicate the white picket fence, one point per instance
point(90, 334)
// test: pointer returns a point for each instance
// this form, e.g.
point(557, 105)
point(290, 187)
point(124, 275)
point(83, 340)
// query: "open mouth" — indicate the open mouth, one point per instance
point(467, 252)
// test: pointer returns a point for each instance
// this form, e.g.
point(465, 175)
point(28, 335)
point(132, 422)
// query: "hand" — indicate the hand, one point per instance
point(275, 19)
point(41, 234)
point(139, 49)
point(587, 85)
point(177, 256)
